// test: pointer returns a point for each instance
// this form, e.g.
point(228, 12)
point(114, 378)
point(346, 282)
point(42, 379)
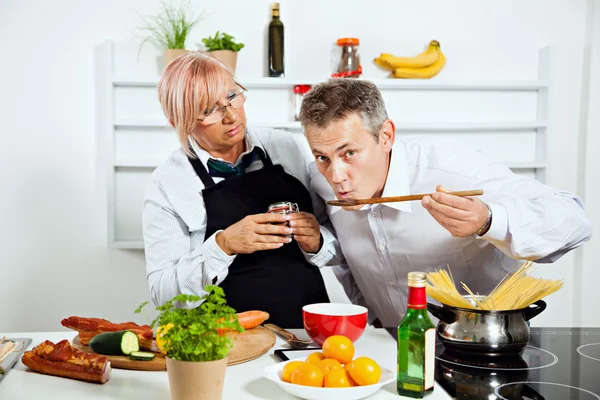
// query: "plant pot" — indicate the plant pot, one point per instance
point(227, 57)
point(202, 380)
point(171, 54)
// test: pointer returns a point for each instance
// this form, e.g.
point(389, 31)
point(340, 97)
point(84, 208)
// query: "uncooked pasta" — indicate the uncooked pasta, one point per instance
point(516, 291)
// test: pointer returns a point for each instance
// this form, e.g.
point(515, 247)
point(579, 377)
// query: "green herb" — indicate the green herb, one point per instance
point(222, 41)
point(171, 27)
point(196, 334)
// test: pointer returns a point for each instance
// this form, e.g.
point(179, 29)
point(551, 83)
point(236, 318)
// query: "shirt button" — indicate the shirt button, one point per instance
point(374, 214)
point(391, 283)
point(381, 247)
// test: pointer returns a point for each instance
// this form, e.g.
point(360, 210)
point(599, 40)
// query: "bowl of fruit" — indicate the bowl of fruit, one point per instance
point(322, 320)
point(331, 374)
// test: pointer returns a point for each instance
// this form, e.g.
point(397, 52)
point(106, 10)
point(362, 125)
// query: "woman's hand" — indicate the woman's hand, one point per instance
point(306, 230)
point(255, 232)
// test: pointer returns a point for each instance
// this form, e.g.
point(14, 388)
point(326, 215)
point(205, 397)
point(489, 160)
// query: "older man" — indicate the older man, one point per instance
point(358, 156)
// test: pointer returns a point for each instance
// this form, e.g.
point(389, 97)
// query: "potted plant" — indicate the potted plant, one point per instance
point(224, 48)
point(195, 344)
point(170, 29)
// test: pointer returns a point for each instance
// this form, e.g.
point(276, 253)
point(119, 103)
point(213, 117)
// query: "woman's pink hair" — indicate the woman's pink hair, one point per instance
point(190, 85)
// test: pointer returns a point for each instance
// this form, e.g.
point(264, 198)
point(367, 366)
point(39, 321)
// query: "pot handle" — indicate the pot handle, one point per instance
point(440, 313)
point(534, 309)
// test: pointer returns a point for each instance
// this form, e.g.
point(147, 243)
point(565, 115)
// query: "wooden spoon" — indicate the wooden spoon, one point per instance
point(394, 199)
point(289, 336)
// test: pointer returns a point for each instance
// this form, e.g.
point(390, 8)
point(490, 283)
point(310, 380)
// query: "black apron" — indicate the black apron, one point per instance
point(277, 281)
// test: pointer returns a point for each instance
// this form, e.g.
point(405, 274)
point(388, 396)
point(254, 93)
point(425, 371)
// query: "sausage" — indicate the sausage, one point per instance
point(62, 359)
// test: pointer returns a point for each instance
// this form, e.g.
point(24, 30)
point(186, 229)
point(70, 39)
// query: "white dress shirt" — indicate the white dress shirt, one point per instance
point(382, 243)
point(178, 260)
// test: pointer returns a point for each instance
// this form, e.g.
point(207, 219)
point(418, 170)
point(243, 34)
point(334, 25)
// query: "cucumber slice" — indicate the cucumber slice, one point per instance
point(142, 356)
point(115, 343)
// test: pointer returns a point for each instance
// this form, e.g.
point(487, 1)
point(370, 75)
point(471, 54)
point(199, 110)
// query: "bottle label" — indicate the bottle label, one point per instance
point(417, 298)
point(429, 358)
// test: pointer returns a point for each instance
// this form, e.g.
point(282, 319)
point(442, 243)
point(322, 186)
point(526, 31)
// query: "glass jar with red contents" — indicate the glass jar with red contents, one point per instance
point(348, 59)
point(299, 92)
point(283, 207)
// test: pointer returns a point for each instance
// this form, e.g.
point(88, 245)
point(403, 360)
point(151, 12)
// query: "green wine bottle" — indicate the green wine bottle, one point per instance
point(276, 66)
point(416, 342)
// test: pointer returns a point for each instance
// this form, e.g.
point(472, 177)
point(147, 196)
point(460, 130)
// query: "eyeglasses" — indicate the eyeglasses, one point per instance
point(217, 113)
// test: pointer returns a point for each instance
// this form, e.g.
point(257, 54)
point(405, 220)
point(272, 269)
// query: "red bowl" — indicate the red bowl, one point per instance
point(322, 320)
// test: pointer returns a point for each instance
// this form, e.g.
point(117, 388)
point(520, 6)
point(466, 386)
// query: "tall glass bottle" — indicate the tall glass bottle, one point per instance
point(276, 67)
point(416, 342)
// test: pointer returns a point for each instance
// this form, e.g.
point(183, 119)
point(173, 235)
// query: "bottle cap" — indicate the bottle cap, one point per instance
point(276, 6)
point(348, 41)
point(417, 279)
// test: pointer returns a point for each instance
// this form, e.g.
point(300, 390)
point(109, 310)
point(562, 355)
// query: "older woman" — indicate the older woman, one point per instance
point(205, 214)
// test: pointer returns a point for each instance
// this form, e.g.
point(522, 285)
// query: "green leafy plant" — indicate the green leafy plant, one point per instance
point(196, 334)
point(222, 41)
point(171, 27)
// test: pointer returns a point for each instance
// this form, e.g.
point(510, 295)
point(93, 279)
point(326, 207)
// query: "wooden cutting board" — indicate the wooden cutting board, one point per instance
point(247, 346)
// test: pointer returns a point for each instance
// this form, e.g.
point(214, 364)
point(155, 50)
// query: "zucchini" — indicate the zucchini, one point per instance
point(115, 343)
point(141, 356)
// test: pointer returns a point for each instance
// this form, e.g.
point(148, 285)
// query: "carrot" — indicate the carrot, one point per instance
point(249, 320)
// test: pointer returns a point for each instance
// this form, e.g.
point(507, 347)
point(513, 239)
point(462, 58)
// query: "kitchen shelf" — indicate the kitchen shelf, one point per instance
point(395, 84)
point(149, 163)
point(508, 119)
point(446, 127)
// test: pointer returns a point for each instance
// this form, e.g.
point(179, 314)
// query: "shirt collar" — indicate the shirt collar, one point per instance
point(204, 155)
point(397, 182)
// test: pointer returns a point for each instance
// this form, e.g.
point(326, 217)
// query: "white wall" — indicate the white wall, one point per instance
point(54, 262)
point(587, 271)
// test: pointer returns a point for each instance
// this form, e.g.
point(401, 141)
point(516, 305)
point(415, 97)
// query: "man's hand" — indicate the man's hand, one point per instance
point(461, 216)
point(255, 232)
point(306, 230)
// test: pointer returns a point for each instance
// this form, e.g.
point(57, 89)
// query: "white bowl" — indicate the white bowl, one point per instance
point(274, 372)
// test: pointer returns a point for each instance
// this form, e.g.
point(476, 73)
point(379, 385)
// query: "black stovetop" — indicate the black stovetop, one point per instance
point(558, 363)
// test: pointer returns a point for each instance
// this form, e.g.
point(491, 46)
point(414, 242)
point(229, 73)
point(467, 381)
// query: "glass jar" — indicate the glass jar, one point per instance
point(348, 64)
point(283, 207)
point(299, 92)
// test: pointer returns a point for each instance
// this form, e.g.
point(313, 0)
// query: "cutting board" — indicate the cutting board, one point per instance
point(247, 346)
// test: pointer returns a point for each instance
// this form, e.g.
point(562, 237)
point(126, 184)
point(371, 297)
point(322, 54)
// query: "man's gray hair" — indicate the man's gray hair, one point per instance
point(340, 98)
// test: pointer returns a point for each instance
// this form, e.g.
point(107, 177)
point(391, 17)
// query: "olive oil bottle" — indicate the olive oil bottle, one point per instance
point(416, 342)
point(276, 64)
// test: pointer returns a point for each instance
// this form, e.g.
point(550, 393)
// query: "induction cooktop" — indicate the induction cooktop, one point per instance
point(558, 363)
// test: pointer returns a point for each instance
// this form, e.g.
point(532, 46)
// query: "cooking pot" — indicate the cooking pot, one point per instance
point(482, 331)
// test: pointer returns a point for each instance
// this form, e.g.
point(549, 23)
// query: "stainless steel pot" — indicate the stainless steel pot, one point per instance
point(487, 332)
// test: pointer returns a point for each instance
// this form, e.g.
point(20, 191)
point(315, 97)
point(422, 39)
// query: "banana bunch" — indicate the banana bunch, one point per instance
point(423, 66)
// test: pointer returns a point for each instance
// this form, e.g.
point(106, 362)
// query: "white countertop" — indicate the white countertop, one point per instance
point(242, 382)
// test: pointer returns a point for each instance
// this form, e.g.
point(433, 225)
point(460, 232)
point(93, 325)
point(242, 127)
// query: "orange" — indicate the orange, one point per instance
point(328, 364)
point(365, 371)
point(315, 358)
point(308, 375)
point(348, 367)
point(288, 370)
point(338, 378)
point(339, 348)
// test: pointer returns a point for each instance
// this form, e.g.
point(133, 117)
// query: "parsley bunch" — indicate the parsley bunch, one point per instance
point(197, 334)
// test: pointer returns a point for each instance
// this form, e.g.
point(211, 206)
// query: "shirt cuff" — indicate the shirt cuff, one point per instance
point(323, 256)
point(216, 262)
point(499, 229)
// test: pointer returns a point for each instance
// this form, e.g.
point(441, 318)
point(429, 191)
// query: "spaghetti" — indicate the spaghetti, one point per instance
point(514, 292)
